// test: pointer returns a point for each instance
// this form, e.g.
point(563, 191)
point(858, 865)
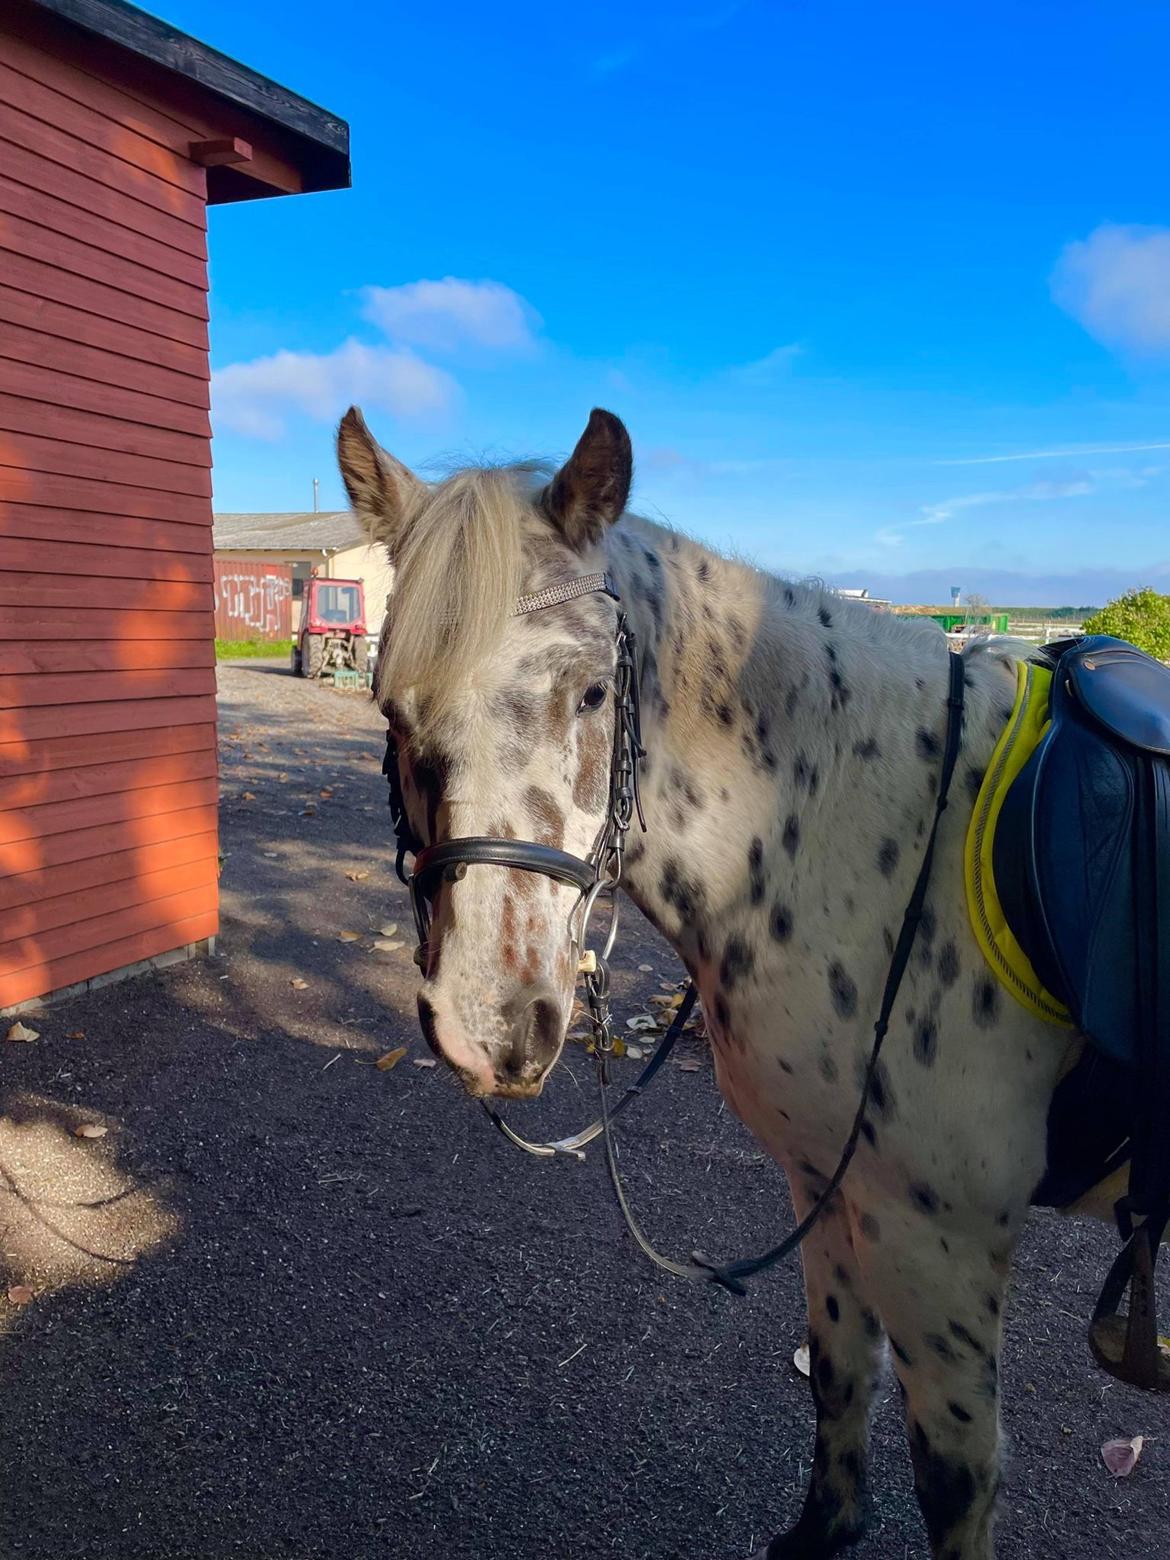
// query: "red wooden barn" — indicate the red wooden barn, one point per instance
point(116, 133)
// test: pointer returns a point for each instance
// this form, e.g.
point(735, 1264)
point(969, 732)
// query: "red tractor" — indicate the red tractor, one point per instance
point(332, 631)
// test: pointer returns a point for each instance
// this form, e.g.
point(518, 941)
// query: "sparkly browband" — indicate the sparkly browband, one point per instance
point(567, 590)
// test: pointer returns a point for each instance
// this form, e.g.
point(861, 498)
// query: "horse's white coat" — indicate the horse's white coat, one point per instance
point(794, 745)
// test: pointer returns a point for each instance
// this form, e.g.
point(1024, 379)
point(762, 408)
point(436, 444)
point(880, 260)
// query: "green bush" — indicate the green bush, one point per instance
point(241, 649)
point(1141, 616)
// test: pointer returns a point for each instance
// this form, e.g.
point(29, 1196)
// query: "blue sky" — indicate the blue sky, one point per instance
point(882, 292)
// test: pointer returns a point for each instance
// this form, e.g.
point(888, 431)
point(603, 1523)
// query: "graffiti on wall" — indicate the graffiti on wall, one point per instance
point(251, 603)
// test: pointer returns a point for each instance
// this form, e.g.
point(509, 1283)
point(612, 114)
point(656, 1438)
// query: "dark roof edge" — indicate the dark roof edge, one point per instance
point(155, 40)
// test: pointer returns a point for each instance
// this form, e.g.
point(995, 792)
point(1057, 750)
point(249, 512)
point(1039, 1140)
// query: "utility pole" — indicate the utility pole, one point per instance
point(316, 495)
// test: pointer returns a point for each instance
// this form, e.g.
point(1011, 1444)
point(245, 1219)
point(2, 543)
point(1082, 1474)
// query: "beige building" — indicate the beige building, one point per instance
point(332, 545)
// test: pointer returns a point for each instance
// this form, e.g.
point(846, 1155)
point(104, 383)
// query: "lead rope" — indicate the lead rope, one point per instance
point(731, 1275)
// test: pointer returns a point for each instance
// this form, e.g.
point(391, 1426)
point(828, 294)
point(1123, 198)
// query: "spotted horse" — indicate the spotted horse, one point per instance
point(793, 749)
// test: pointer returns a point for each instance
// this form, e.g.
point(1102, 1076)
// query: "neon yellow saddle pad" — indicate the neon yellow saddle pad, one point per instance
point(1021, 735)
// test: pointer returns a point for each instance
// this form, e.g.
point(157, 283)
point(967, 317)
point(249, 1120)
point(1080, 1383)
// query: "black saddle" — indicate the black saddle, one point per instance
point(1082, 869)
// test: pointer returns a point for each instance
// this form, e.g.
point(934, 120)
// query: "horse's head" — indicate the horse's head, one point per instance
point(503, 723)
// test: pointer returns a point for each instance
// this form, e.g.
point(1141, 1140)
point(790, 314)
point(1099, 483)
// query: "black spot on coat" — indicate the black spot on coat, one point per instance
point(843, 990)
point(888, 853)
point(791, 837)
point(985, 1003)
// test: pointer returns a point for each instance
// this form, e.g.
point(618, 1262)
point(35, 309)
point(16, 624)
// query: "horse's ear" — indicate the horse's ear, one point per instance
point(381, 489)
point(592, 488)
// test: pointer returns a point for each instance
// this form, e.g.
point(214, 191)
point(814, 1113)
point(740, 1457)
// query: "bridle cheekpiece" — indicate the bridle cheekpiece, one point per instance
point(592, 876)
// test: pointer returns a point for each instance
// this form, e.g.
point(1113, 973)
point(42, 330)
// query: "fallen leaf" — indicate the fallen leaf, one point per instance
point(21, 1294)
point(282, 779)
point(298, 984)
point(635, 1053)
point(690, 1065)
point(1121, 1457)
point(357, 877)
point(326, 790)
point(642, 1021)
point(801, 1360)
point(19, 1031)
point(390, 1058)
point(425, 1061)
point(90, 1129)
point(389, 929)
point(271, 855)
point(309, 812)
point(248, 796)
point(645, 969)
point(348, 936)
point(387, 945)
point(76, 1034)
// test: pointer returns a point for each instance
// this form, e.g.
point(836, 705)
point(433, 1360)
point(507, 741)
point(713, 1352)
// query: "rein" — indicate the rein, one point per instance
point(599, 873)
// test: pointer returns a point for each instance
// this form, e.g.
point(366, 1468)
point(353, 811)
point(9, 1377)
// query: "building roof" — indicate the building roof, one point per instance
point(317, 139)
point(289, 531)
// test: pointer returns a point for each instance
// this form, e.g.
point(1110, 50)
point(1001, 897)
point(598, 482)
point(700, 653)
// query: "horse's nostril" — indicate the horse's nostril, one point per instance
point(534, 1037)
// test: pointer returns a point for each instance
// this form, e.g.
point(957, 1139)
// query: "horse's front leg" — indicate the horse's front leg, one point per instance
point(845, 1346)
point(939, 1290)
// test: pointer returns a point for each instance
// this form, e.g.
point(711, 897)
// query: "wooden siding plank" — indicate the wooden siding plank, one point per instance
point(18, 728)
point(147, 289)
point(54, 490)
point(82, 904)
point(99, 229)
point(54, 959)
point(91, 330)
point(55, 974)
point(56, 148)
point(23, 830)
point(93, 687)
point(39, 352)
point(81, 558)
point(40, 383)
point(101, 431)
point(56, 755)
point(29, 888)
point(44, 279)
point(81, 70)
point(106, 779)
point(63, 525)
point(105, 624)
point(110, 655)
point(57, 850)
point(27, 453)
point(110, 200)
point(23, 86)
point(44, 590)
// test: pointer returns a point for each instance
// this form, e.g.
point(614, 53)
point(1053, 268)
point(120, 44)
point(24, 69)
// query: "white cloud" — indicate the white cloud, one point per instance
point(1062, 452)
point(255, 398)
point(1116, 283)
point(772, 366)
point(451, 313)
point(938, 514)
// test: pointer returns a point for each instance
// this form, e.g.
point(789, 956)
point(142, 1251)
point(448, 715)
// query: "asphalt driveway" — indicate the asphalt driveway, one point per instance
point(293, 1305)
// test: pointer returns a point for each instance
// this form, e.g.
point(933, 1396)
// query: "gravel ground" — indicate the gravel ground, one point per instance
point(311, 1308)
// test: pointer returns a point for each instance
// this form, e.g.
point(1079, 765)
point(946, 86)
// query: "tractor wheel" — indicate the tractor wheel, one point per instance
point(360, 654)
point(295, 658)
point(314, 654)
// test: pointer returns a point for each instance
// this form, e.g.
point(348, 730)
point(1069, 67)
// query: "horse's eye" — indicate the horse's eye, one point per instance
point(594, 696)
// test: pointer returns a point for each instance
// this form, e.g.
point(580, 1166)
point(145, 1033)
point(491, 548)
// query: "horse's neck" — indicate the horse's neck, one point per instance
point(789, 734)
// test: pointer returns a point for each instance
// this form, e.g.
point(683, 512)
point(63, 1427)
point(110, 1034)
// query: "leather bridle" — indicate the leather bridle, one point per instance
point(593, 876)
point(599, 873)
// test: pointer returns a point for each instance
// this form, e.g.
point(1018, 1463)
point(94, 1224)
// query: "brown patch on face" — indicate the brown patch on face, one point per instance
point(593, 751)
point(547, 818)
point(508, 952)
